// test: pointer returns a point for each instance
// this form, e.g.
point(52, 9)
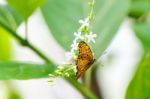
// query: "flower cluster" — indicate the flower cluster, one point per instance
point(85, 34)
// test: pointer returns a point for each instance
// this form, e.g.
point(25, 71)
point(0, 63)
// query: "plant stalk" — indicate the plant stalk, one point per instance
point(24, 42)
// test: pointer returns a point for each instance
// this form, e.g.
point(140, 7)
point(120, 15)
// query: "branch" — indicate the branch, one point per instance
point(24, 42)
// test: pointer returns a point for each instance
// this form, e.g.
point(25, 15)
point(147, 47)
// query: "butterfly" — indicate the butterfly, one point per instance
point(85, 58)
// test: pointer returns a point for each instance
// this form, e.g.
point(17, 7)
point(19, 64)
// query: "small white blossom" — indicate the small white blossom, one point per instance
point(67, 74)
point(50, 75)
point(90, 37)
point(78, 35)
point(84, 22)
point(58, 72)
point(60, 67)
point(74, 45)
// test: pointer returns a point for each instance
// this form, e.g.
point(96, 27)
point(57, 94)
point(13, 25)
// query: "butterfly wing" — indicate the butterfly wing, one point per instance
point(84, 49)
point(85, 58)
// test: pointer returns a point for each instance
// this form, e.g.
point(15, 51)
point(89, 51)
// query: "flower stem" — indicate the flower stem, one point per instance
point(91, 14)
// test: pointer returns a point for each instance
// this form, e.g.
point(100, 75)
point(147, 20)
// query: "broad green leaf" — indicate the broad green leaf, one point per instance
point(10, 70)
point(9, 17)
point(25, 7)
point(5, 47)
point(62, 18)
point(16, 16)
point(142, 31)
point(139, 87)
point(139, 8)
point(108, 19)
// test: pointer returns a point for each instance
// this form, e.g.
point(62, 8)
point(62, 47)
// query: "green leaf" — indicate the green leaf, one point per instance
point(62, 18)
point(109, 17)
point(16, 16)
point(139, 8)
point(20, 71)
point(9, 17)
point(25, 7)
point(142, 31)
point(5, 47)
point(139, 87)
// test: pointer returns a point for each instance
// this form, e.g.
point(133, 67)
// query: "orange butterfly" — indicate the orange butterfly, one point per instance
point(85, 58)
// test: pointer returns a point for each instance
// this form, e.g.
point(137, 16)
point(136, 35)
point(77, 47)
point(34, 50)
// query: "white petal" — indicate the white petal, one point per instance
point(81, 21)
point(84, 22)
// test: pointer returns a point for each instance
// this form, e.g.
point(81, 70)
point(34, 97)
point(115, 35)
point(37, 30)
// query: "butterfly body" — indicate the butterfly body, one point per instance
point(85, 58)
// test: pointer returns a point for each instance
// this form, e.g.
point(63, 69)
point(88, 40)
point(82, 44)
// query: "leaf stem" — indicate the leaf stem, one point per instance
point(24, 42)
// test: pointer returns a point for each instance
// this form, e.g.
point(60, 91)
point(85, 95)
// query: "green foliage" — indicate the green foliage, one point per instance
point(9, 17)
point(139, 87)
point(25, 7)
point(5, 47)
point(139, 8)
point(9, 70)
point(62, 19)
point(108, 19)
point(142, 31)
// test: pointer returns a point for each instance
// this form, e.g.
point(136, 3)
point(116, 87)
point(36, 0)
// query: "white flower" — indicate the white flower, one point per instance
point(78, 35)
point(90, 37)
point(84, 22)
point(74, 45)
